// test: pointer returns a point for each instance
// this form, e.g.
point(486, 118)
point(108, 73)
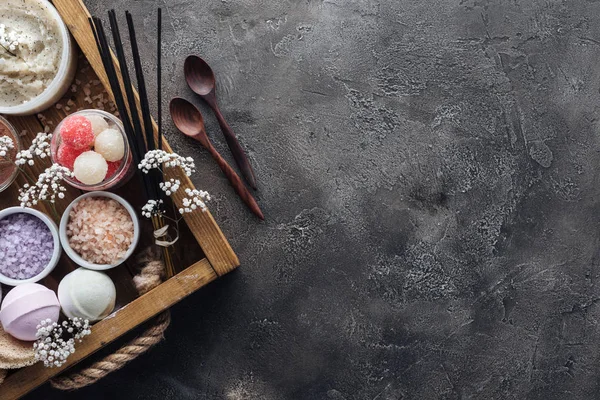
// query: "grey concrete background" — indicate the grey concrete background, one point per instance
point(428, 170)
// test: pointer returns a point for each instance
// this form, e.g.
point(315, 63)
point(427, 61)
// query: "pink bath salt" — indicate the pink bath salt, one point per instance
point(100, 230)
point(76, 131)
point(26, 246)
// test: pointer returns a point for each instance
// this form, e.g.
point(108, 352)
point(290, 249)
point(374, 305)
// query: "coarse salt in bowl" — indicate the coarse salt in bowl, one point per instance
point(78, 259)
point(56, 252)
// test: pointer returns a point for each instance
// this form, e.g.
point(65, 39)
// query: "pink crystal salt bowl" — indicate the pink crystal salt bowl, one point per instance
point(77, 259)
point(55, 253)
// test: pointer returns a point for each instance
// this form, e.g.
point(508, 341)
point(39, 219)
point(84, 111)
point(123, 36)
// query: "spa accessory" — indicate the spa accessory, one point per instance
point(77, 258)
point(29, 23)
point(93, 144)
point(14, 353)
point(27, 237)
point(24, 307)
point(201, 80)
point(8, 170)
point(87, 294)
point(188, 119)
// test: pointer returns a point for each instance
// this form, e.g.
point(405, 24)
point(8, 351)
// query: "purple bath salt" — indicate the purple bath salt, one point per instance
point(26, 246)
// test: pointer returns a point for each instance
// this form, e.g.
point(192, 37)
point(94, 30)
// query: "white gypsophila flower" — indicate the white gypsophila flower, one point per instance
point(170, 187)
point(151, 208)
point(48, 186)
point(6, 145)
point(56, 342)
point(195, 200)
point(157, 159)
point(40, 147)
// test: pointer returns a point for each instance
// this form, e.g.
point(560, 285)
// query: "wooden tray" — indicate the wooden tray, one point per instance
point(207, 252)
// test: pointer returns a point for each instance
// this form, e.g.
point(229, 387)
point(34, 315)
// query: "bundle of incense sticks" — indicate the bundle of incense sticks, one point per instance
point(137, 121)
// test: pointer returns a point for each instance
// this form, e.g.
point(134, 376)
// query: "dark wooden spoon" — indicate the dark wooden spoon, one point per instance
point(188, 119)
point(201, 80)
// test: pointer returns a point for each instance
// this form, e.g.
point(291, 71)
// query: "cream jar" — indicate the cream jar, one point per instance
point(37, 57)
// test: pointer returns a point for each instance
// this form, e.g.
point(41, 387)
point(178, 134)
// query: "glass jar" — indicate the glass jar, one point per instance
point(123, 173)
point(8, 169)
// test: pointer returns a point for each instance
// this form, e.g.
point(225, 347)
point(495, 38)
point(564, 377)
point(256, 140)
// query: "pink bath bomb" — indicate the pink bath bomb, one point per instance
point(76, 131)
point(24, 307)
point(66, 155)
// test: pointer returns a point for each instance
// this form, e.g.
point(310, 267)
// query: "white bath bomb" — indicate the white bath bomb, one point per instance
point(110, 145)
point(87, 294)
point(90, 168)
point(99, 124)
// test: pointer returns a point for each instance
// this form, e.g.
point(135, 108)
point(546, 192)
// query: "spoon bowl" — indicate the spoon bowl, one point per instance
point(188, 119)
point(199, 76)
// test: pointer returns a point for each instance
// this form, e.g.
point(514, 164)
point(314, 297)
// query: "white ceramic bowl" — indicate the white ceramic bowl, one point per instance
point(63, 79)
point(56, 251)
point(76, 257)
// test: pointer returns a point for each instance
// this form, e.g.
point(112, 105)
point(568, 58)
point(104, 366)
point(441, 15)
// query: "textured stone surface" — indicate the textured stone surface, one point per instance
point(428, 174)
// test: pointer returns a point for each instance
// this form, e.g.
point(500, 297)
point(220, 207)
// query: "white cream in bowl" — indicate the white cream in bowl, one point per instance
point(37, 60)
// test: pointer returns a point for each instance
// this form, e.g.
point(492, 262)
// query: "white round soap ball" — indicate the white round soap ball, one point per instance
point(87, 294)
point(110, 144)
point(90, 168)
point(99, 124)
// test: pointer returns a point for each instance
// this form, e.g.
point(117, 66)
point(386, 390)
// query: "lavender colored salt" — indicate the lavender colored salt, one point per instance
point(26, 246)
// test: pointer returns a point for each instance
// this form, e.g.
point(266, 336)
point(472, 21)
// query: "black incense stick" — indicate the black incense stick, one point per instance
point(133, 110)
point(144, 105)
point(135, 117)
point(159, 77)
point(98, 30)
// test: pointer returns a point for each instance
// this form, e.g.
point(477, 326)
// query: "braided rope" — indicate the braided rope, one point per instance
point(150, 277)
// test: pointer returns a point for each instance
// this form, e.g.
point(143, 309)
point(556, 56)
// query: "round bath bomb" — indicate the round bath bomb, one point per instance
point(87, 294)
point(90, 168)
point(99, 124)
point(113, 167)
point(76, 131)
point(24, 307)
point(66, 155)
point(110, 145)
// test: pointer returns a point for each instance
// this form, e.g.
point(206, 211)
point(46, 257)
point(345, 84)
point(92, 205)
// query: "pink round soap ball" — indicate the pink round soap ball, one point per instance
point(76, 131)
point(24, 307)
point(66, 155)
point(113, 167)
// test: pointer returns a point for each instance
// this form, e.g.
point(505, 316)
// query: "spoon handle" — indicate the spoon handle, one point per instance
point(236, 149)
point(236, 182)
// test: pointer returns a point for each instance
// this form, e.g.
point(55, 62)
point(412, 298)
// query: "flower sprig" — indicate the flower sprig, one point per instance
point(40, 147)
point(56, 342)
point(6, 145)
point(194, 199)
point(157, 159)
point(48, 187)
